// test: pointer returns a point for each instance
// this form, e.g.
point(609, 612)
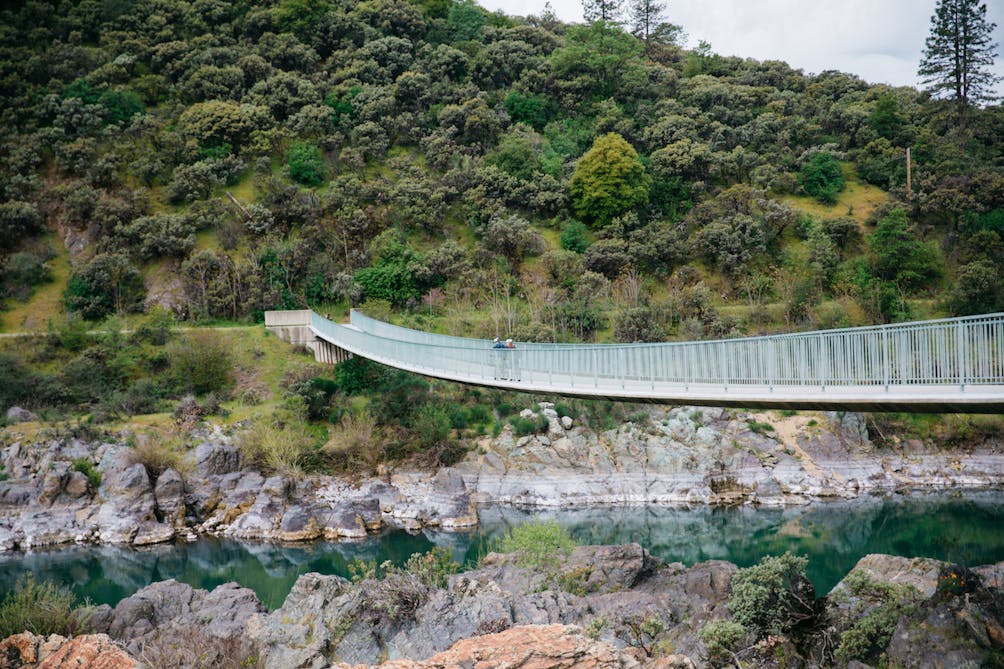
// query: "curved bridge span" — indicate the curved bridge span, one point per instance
point(948, 365)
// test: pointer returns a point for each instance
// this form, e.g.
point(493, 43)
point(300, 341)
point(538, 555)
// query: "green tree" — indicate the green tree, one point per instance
point(886, 118)
point(897, 255)
point(306, 164)
point(959, 53)
point(822, 178)
point(645, 17)
point(108, 283)
point(608, 181)
point(465, 20)
point(608, 11)
point(574, 237)
point(121, 104)
point(977, 289)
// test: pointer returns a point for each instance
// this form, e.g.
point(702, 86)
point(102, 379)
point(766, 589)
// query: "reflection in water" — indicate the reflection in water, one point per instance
point(965, 528)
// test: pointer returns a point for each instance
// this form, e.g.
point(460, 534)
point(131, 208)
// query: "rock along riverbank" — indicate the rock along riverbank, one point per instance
point(596, 606)
point(683, 455)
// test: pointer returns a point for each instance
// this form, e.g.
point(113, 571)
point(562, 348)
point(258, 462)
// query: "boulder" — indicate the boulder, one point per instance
point(19, 415)
point(920, 573)
point(96, 651)
point(172, 611)
point(214, 458)
point(540, 647)
point(169, 494)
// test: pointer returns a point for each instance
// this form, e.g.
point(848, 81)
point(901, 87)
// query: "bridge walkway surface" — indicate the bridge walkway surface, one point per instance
point(947, 365)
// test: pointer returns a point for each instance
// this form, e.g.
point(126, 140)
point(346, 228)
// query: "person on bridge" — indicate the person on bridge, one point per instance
point(509, 343)
point(497, 343)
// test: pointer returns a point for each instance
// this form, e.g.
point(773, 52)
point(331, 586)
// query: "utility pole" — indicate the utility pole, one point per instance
point(909, 189)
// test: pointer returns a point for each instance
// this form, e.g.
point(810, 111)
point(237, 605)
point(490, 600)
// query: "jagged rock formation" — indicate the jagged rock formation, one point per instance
point(602, 606)
point(682, 455)
point(716, 456)
point(45, 501)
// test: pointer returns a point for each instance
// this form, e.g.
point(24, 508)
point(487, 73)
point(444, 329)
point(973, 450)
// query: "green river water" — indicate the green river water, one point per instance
point(966, 527)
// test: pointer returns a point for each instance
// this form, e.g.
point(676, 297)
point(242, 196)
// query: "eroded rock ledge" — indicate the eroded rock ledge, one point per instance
point(696, 455)
point(672, 456)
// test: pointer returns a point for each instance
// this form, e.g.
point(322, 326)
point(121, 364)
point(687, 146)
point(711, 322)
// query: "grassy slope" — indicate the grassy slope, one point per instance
point(858, 199)
point(46, 301)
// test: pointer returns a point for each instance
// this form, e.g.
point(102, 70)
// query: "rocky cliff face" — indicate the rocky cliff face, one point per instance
point(599, 606)
point(682, 455)
point(44, 501)
point(715, 456)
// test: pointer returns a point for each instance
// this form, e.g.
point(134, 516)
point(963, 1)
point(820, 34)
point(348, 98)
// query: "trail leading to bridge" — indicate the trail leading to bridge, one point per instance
point(948, 365)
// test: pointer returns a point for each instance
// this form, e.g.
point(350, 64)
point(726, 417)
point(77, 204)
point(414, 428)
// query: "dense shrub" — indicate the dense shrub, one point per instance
point(536, 544)
point(722, 638)
point(22, 271)
point(431, 425)
point(773, 596)
point(87, 468)
point(18, 220)
point(873, 611)
point(306, 164)
point(201, 363)
point(821, 177)
point(108, 283)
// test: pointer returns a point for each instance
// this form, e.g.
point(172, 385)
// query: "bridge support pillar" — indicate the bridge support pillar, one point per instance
point(329, 353)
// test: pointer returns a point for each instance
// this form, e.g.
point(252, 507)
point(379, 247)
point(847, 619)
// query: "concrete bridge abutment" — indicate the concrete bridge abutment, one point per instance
point(293, 327)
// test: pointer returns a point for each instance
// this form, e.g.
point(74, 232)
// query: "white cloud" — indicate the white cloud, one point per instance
point(881, 41)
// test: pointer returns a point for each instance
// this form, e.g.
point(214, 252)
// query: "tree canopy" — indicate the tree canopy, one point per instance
point(608, 180)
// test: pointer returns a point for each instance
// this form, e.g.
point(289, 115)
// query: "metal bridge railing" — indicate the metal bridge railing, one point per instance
point(960, 351)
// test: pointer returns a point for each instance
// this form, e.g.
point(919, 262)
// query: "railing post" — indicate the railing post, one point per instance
point(823, 362)
point(686, 368)
point(651, 365)
point(885, 358)
point(960, 356)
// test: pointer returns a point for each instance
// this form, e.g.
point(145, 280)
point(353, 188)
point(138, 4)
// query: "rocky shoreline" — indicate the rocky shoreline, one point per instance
point(597, 606)
point(667, 456)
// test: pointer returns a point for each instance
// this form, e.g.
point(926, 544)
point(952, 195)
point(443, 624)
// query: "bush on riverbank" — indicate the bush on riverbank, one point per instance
point(42, 609)
point(536, 543)
point(774, 596)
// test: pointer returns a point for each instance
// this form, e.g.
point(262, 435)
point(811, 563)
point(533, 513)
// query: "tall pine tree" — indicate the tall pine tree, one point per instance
point(608, 11)
point(959, 54)
point(645, 17)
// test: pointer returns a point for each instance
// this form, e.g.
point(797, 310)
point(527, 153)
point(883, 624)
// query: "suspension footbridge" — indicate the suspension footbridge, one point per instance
point(946, 365)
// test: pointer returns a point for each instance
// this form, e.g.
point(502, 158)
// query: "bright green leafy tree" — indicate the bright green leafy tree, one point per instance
point(306, 164)
point(608, 181)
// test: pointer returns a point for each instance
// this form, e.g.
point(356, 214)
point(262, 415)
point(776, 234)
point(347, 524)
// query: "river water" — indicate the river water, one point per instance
point(965, 527)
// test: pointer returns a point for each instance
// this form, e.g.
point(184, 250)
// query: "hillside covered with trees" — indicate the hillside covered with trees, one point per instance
point(474, 173)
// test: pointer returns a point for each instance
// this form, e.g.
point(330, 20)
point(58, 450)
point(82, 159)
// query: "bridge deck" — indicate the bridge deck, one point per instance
point(938, 366)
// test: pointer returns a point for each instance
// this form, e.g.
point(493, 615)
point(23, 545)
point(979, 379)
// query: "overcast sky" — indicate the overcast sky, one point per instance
point(879, 40)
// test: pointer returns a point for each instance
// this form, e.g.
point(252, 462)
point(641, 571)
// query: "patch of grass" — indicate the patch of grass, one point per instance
point(158, 453)
point(759, 427)
point(46, 302)
point(283, 446)
point(42, 609)
point(858, 199)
